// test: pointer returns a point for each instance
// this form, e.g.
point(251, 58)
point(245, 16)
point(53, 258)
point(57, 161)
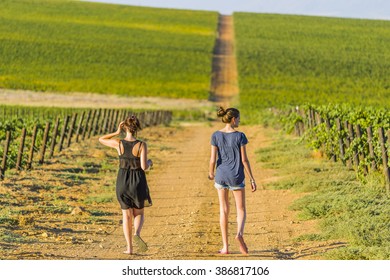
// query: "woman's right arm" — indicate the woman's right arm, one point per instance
point(213, 159)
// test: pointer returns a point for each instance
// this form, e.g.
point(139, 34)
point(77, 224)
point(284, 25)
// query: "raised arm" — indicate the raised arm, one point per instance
point(213, 159)
point(113, 143)
point(247, 167)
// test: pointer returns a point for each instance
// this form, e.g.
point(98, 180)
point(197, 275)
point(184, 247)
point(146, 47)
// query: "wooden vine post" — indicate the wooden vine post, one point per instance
point(71, 128)
point(361, 154)
point(106, 120)
point(44, 142)
point(354, 155)
point(87, 124)
point(100, 123)
point(341, 142)
point(371, 148)
point(20, 151)
point(32, 148)
point(63, 132)
point(347, 144)
point(385, 159)
point(78, 131)
point(54, 137)
point(3, 166)
point(332, 154)
point(95, 119)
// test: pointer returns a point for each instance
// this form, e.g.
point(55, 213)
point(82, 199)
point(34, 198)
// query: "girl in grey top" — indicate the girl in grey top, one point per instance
point(228, 154)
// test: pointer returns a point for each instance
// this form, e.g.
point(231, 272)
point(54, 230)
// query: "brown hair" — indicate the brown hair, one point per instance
point(228, 114)
point(132, 124)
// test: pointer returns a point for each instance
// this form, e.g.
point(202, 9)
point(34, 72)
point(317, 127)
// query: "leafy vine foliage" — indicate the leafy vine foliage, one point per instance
point(345, 132)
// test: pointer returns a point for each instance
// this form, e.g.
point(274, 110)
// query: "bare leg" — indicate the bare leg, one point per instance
point(239, 197)
point(138, 220)
point(127, 229)
point(223, 196)
point(138, 223)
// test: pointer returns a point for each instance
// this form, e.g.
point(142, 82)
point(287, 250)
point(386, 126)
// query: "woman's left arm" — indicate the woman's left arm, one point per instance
point(145, 162)
point(247, 167)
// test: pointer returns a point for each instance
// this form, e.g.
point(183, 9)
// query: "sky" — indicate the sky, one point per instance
point(368, 9)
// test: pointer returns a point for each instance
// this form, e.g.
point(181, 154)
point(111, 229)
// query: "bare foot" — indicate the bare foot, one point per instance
point(243, 247)
point(129, 251)
point(223, 252)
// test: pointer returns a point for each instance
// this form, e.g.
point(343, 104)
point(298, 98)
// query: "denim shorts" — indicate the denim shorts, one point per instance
point(230, 188)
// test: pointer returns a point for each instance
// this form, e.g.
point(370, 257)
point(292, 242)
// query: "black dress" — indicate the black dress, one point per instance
point(131, 187)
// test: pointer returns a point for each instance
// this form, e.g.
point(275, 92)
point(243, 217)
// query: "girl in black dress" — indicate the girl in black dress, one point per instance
point(131, 187)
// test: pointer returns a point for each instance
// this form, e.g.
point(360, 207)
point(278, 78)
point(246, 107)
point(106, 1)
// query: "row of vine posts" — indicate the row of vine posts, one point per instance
point(363, 159)
point(70, 130)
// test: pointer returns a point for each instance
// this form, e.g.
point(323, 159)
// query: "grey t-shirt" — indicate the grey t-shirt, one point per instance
point(230, 170)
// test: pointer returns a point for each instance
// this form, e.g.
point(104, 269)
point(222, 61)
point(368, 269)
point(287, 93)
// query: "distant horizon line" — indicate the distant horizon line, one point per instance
point(249, 12)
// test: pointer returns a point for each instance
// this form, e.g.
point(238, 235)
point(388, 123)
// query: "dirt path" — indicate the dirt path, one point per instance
point(67, 209)
point(224, 85)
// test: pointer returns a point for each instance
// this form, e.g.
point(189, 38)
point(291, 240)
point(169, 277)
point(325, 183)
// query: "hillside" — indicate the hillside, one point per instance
point(69, 46)
point(291, 60)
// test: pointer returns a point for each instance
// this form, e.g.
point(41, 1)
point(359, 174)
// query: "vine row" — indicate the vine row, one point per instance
point(21, 145)
point(358, 137)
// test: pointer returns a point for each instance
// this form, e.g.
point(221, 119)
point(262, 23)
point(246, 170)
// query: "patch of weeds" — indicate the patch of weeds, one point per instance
point(55, 209)
point(49, 187)
point(285, 184)
point(99, 213)
point(6, 195)
point(166, 148)
point(58, 188)
point(97, 220)
point(311, 237)
point(91, 167)
point(348, 209)
point(76, 179)
point(12, 237)
point(107, 165)
point(104, 198)
point(8, 221)
point(359, 253)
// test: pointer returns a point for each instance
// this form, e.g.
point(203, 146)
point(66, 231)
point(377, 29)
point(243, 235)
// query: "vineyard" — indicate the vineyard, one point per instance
point(42, 132)
point(71, 46)
point(359, 138)
point(325, 79)
point(294, 60)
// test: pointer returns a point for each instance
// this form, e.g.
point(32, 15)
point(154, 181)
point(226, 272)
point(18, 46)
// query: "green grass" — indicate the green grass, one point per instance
point(68, 46)
point(12, 237)
point(101, 199)
point(346, 209)
point(291, 60)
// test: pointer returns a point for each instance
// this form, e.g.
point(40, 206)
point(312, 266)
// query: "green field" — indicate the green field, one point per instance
point(70, 46)
point(291, 60)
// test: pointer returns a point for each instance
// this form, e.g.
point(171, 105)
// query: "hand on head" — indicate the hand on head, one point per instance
point(120, 126)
